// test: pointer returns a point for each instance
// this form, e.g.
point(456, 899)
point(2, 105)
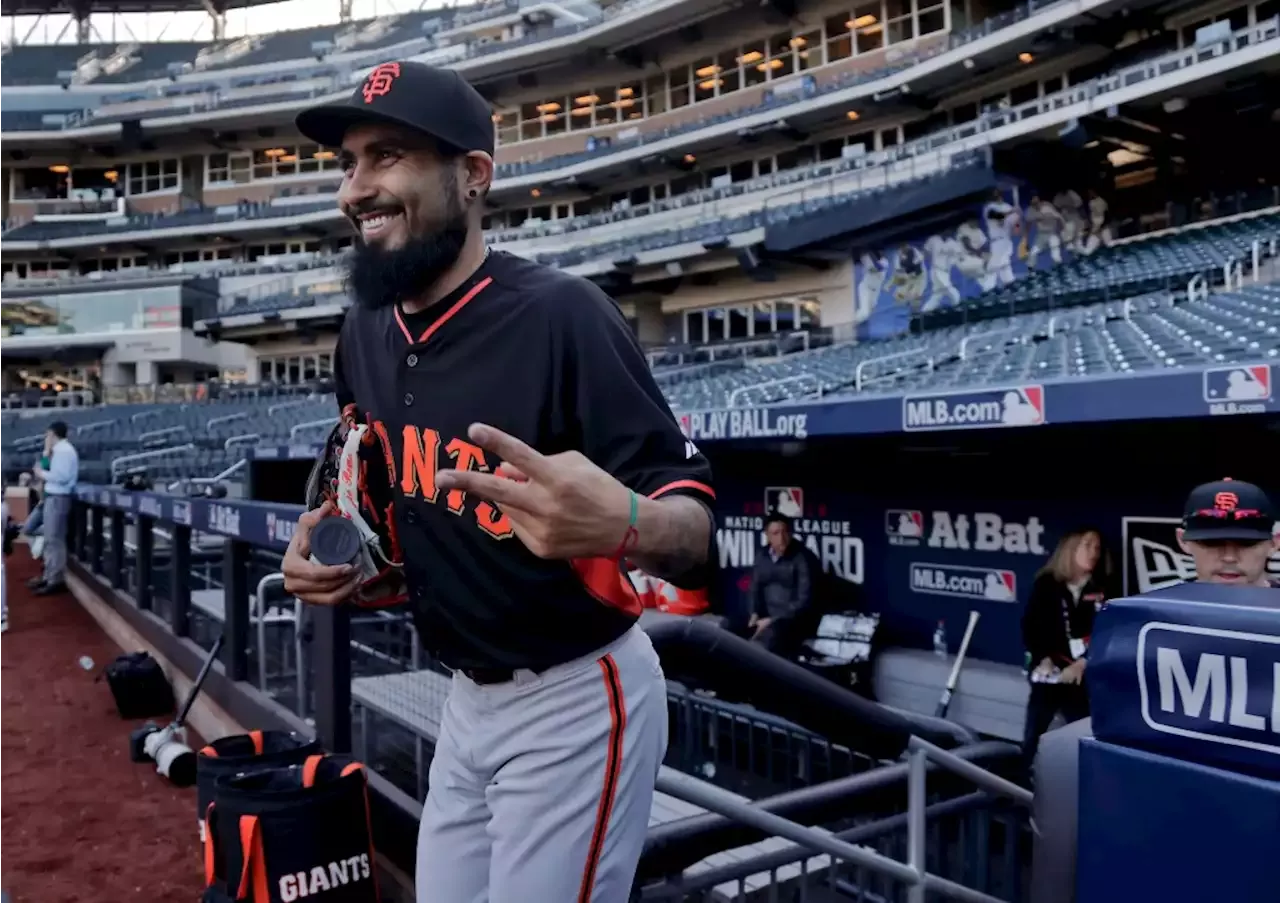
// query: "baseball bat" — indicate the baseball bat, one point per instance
point(944, 702)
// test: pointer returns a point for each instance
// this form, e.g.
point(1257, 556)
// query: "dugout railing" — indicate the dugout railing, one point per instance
point(750, 805)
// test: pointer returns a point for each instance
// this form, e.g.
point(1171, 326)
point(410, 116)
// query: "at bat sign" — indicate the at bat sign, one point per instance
point(944, 702)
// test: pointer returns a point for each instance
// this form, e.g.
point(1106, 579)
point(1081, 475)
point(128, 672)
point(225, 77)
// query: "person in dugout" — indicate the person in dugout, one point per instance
point(782, 589)
point(1056, 625)
point(1228, 529)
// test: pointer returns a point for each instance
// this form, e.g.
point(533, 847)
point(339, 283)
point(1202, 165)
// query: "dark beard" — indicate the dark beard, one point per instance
point(378, 277)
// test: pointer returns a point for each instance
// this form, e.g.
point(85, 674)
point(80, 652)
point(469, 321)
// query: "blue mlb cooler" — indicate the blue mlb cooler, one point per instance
point(1180, 785)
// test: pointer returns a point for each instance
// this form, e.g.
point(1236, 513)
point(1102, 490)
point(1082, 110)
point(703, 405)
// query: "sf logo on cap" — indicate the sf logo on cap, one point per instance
point(380, 80)
point(1226, 501)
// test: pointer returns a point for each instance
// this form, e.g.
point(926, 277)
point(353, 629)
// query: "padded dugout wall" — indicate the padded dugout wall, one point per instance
point(934, 525)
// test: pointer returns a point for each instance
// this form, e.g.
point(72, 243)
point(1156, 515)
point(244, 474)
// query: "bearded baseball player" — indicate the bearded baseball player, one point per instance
point(530, 453)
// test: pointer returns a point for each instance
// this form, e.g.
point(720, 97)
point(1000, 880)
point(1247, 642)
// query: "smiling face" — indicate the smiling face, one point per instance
point(406, 203)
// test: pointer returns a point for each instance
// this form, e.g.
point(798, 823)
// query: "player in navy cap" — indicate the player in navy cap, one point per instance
point(529, 453)
point(1228, 527)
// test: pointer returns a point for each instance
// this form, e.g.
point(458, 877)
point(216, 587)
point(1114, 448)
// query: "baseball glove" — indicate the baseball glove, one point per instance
point(353, 473)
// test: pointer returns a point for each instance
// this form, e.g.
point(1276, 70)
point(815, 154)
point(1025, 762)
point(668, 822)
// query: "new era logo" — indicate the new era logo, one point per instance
point(1251, 383)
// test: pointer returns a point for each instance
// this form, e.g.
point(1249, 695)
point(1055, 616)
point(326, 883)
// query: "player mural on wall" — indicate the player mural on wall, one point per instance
point(998, 244)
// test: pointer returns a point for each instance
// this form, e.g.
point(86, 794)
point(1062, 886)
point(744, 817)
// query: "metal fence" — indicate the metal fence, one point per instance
point(749, 807)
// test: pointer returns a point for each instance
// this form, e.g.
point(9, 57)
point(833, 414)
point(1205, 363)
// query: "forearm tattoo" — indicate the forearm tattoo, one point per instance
point(674, 537)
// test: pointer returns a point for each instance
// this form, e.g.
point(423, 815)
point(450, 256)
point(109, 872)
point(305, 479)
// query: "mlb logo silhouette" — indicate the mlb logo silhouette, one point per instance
point(1023, 407)
point(904, 523)
point(784, 500)
point(1001, 586)
point(1238, 384)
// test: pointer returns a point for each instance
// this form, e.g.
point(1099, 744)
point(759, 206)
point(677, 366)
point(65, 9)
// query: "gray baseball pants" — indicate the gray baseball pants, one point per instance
point(540, 788)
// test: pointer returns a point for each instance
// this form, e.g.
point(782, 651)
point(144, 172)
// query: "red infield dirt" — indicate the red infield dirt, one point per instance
point(81, 823)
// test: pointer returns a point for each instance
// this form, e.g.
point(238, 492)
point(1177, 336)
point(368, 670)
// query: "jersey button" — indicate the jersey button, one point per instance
point(412, 360)
point(408, 399)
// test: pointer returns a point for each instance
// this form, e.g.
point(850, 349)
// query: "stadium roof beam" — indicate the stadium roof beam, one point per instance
point(217, 10)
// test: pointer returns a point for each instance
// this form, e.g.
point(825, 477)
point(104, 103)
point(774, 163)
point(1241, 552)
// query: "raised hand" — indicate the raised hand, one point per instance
point(561, 506)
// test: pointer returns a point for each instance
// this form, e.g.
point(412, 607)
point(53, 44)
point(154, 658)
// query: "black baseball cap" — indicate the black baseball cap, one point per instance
point(427, 99)
point(1228, 510)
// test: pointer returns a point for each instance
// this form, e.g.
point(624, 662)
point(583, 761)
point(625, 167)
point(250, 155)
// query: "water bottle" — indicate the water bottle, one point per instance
point(940, 640)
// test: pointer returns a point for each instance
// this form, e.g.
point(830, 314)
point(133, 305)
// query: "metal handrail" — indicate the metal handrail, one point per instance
point(995, 333)
point(912, 873)
point(897, 355)
point(240, 440)
point(294, 430)
point(284, 405)
point(216, 478)
point(167, 431)
point(227, 418)
point(147, 455)
point(732, 400)
point(86, 427)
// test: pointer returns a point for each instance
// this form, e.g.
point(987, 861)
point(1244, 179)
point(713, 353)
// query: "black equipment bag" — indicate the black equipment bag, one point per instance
point(296, 832)
point(139, 686)
point(244, 753)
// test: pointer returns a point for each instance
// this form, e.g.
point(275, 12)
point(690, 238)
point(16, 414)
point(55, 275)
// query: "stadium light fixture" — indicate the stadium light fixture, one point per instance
point(111, 175)
point(748, 58)
point(853, 115)
point(273, 152)
point(60, 168)
point(707, 71)
point(587, 99)
point(797, 42)
point(324, 155)
point(861, 22)
point(549, 107)
point(1025, 57)
point(537, 193)
point(690, 159)
point(710, 84)
point(626, 92)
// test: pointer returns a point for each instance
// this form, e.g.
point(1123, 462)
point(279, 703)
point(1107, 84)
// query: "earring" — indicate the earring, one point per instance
point(472, 194)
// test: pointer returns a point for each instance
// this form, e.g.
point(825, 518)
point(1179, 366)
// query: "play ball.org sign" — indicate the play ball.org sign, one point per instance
point(1152, 558)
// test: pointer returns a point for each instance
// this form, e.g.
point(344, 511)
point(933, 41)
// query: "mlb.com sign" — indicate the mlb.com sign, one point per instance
point(1238, 390)
point(1012, 406)
point(1219, 686)
point(989, 584)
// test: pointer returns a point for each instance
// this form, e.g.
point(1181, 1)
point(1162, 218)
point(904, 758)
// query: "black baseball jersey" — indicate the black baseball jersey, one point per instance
point(549, 358)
